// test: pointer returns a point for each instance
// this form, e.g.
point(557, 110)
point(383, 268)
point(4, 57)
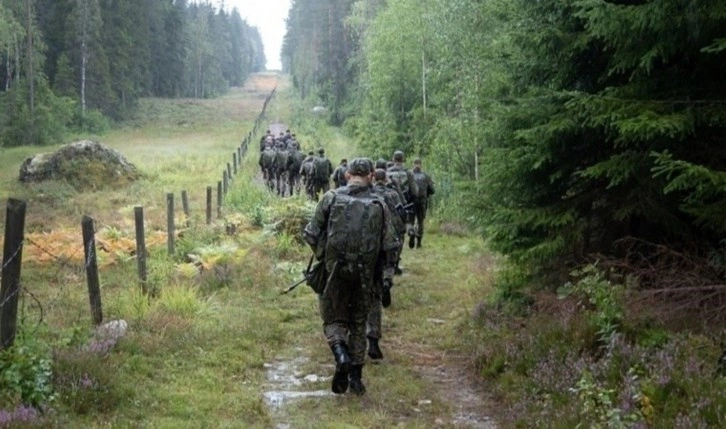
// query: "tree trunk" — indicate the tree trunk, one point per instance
point(423, 80)
point(31, 80)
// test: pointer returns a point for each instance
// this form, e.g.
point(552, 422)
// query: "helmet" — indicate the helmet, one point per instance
point(398, 156)
point(360, 167)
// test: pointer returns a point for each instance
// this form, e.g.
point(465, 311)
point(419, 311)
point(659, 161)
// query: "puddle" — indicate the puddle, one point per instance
point(287, 382)
point(277, 398)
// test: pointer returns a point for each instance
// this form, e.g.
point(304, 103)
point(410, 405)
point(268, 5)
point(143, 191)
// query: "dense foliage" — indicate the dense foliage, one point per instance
point(575, 123)
point(73, 62)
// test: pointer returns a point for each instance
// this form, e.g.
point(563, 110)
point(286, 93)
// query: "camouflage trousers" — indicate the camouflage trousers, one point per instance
point(344, 307)
point(320, 187)
point(374, 322)
point(419, 214)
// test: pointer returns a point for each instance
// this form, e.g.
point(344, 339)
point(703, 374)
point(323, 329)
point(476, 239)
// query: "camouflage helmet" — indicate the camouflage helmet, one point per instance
point(321, 151)
point(398, 156)
point(360, 167)
point(380, 175)
point(381, 163)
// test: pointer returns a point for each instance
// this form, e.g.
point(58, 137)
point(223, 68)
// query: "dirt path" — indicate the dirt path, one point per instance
point(453, 378)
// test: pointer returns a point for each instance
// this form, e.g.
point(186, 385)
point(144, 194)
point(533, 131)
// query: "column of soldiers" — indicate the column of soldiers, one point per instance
point(359, 230)
point(286, 170)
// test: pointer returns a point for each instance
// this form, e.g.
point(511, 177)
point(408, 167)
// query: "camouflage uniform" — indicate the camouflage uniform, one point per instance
point(323, 168)
point(394, 203)
point(339, 174)
point(425, 188)
point(351, 290)
point(407, 186)
point(306, 172)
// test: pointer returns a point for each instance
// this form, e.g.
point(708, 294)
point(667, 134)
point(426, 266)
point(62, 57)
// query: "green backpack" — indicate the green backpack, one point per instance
point(322, 171)
point(399, 175)
point(267, 158)
point(355, 228)
point(422, 184)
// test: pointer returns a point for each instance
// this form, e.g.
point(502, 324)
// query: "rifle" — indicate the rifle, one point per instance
point(291, 288)
point(306, 276)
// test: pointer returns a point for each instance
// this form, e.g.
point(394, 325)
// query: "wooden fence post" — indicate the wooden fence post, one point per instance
point(141, 247)
point(229, 172)
point(219, 200)
point(225, 182)
point(12, 260)
point(170, 228)
point(94, 285)
point(185, 204)
point(209, 205)
point(234, 162)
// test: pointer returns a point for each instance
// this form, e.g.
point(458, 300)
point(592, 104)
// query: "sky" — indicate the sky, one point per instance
point(269, 17)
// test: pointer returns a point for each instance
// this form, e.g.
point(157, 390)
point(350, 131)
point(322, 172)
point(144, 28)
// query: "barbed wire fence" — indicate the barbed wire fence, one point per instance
point(82, 258)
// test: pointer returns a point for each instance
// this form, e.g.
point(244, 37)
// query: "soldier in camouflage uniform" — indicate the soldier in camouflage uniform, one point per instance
point(306, 172)
point(425, 188)
point(322, 170)
point(385, 278)
point(352, 232)
point(403, 179)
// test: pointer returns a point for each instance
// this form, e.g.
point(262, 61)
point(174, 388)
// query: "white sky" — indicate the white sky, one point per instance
point(269, 17)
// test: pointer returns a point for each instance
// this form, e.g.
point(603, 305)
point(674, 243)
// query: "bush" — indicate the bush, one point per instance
point(25, 374)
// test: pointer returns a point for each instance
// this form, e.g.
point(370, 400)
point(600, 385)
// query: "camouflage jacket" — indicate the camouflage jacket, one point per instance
point(315, 232)
point(393, 201)
point(407, 185)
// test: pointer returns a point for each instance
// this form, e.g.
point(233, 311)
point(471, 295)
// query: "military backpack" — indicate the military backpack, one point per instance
point(267, 158)
point(355, 228)
point(422, 184)
point(321, 168)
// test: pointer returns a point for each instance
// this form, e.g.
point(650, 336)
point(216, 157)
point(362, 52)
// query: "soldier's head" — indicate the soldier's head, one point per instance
point(359, 170)
point(311, 153)
point(417, 164)
point(343, 161)
point(380, 175)
point(398, 156)
point(381, 163)
point(321, 151)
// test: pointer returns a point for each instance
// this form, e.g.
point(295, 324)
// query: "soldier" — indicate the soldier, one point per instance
point(403, 180)
point(339, 173)
point(263, 140)
point(306, 172)
point(281, 155)
point(384, 277)
point(267, 164)
point(293, 143)
point(322, 169)
point(351, 231)
point(424, 189)
point(294, 162)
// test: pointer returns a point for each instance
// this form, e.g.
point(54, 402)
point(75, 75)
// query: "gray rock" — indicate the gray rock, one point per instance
point(82, 163)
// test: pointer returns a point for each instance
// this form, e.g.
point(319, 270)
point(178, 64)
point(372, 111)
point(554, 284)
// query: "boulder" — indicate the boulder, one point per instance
point(83, 163)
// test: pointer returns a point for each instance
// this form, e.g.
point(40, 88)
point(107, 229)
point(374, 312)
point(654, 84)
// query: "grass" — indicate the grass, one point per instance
point(199, 353)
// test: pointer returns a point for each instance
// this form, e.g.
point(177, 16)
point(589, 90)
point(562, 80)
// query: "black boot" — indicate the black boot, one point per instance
point(342, 368)
point(411, 238)
point(356, 384)
point(374, 352)
point(418, 242)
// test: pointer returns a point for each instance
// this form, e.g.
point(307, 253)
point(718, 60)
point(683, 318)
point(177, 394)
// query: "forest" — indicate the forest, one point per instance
point(585, 142)
point(79, 65)
point(574, 129)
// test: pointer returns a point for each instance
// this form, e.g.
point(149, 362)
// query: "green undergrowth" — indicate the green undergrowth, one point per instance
point(592, 357)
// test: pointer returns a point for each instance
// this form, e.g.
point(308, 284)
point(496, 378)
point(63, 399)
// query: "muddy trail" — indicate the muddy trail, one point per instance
point(439, 385)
